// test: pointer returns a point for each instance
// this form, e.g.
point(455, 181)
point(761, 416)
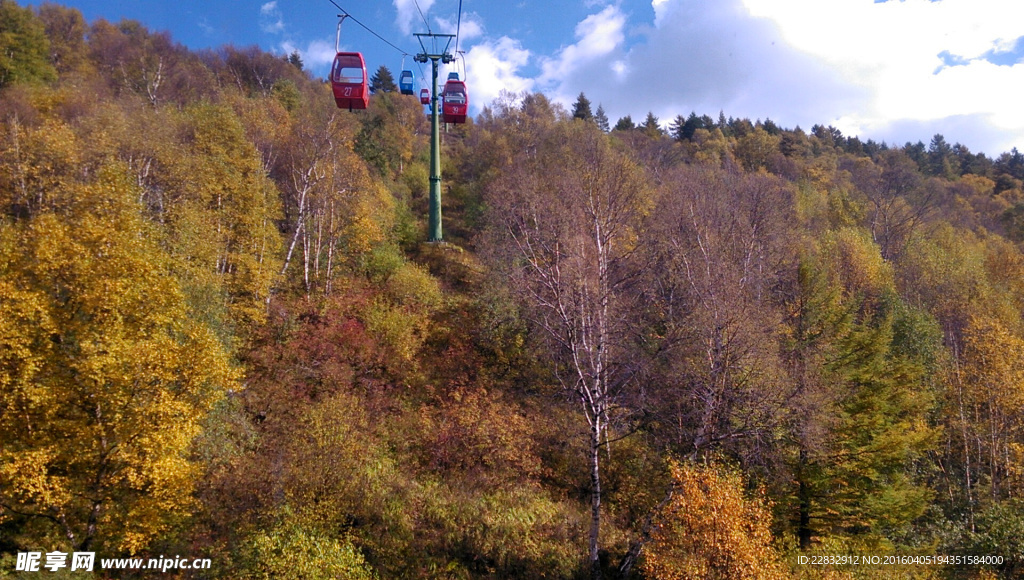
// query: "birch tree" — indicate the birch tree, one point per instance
point(570, 211)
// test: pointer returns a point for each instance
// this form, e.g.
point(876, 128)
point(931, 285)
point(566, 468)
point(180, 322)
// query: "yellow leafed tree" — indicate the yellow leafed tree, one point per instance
point(711, 529)
point(223, 210)
point(987, 397)
point(104, 376)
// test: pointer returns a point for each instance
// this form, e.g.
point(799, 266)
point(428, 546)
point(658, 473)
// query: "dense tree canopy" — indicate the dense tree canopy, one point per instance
point(24, 46)
point(704, 352)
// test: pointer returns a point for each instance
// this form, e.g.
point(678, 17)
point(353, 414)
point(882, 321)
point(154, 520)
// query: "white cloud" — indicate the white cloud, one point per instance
point(494, 66)
point(895, 51)
point(660, 7)
point(471, 27)
point(598, 35)
point(208, 30)
point(317, 54)
point(893, 71)
point(697, 56)
point(620, 69)
point(408, 13)
point(599, 41)
point(271, 20)
point(863, 32)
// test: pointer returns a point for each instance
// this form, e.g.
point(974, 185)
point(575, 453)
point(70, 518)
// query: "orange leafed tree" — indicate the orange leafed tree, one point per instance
point(711, 529)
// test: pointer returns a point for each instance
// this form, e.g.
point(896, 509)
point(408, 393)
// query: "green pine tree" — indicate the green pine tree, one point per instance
point(859, 422)
point(383, 81)
point(601, 119)
point(652, 126)
point(625, 124)
point(677, 127)
point(295, 59)
point(581, 109)
point(24, 47)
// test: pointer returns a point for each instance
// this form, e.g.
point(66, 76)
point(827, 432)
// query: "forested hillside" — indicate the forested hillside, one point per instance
point(702, 352)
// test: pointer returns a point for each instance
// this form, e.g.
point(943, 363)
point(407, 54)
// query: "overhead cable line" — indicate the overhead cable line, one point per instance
point(423, 74)
point(418, 9)
point(458, 27)
point(354, 19)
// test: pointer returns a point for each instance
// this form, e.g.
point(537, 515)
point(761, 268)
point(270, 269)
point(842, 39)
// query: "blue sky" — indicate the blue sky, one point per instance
point(894, 71)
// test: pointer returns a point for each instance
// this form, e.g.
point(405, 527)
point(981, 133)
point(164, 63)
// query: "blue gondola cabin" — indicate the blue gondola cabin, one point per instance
point(405, 81)
point(349, 81)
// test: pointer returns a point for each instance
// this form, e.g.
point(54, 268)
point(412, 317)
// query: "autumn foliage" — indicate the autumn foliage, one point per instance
point(712, 529)
point(222, 335)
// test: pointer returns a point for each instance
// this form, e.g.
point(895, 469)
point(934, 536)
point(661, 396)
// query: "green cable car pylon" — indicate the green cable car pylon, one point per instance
point(435, 55)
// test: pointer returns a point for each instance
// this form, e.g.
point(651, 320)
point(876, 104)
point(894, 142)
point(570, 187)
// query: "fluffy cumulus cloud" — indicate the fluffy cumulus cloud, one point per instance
point(494, 66)
point(893, 71)
point(953, 64)
point(271, 19)
point(595, 54)
point(709, 57)
point(408, 13)
point(471, 26)
point(316, 55)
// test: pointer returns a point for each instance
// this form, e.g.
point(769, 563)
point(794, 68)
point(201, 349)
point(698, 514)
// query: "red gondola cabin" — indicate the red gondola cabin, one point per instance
point(424, 97)
point(348, 81)
point(456, 101)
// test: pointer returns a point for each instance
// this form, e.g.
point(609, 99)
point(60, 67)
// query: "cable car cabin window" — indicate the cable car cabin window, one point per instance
point(348, 69)
point(454, 92)
point(350, 76)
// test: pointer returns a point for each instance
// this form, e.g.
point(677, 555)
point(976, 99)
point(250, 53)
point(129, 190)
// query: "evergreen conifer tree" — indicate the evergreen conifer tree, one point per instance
point(24, 46)
point(382, 81)
point(601, 119)
point(295, 59)
point(675, 129)
point(651, 125)
point(581, 110)
point(625, 124)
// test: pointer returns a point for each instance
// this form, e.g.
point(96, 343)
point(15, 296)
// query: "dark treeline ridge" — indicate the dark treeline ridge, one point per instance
point(702, 353)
